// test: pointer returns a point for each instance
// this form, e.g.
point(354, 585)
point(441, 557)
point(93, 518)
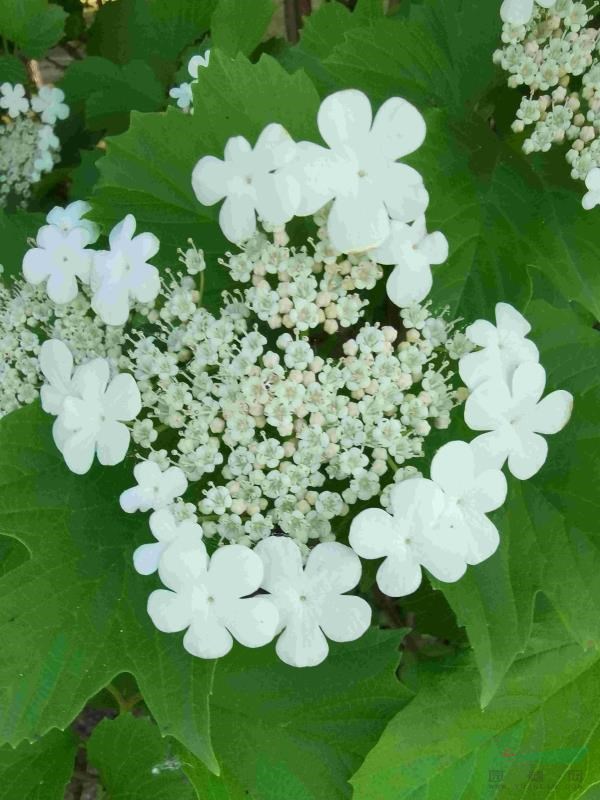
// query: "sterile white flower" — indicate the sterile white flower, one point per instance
point(59, 259)
point(519, 12)
point(197, 62)
point(311, 601)
point(249, 180)
point(166, 529)
point(592, 197)
point(122, 274)
point(209, 598)
point(56, 364)
point(514, 416)
point(183, 95)
point(470, 493)
point(360, 171)
point(155, 489)
point(13, 99)
point(71, 217)
point(91, 420)
point(48, 103)
point(504, 347)
point(409, 538)
point(413, 251)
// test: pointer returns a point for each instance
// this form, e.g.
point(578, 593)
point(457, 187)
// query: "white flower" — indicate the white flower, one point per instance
point(311, 600)
point(49, 104)
point(166, 530)
point(122, 274)
point(209, 598)
point(504, 347)
point(196, 62)
point(360, 172)
point(515, 417)
point(155, 489)
point(470, 494)
point(91, 420)
point(249, 182)
point(183, 95)
point(56, 364)
point(59, 259)
point(408, 538)
point(13, 99)
point(71, 217)
point(413, 251)
point(592, 197)
point(519, 12)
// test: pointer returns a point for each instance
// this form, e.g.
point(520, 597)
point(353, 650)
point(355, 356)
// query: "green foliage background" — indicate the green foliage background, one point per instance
point(500, 673)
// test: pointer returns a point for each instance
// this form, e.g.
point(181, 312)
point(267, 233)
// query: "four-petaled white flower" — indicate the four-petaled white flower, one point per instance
point(251, 181)
point(409, 538)
point(166, 530)
point(155, 489)
point(48, 103)
point(71, 217)
point(59, 259)
point(413, 251)
point(360, 172)
point(514, 417)
point(519, 12)
point(197, 62)
point(13, 99)
point(92, 415)
point(504, 347)
point(122, 274)
point(470, 494)
point(592, 197)
point(183, 95)
point(311, 601)
point(209, 597)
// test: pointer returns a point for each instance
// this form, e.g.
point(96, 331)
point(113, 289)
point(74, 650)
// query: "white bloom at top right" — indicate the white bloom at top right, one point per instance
point(360, 172)
point(519, 12)
point(514, 418)
point(503, 347)
point(592, 197)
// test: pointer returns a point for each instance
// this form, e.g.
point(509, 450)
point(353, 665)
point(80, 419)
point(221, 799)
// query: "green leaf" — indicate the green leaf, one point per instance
point(542, 723)
point(238, 26)
point(548, 526)
point(299, 733)
point(33, 25)
point(74, 615)
point(15, 229)
point(12, 70)
point(135, 762)
point(37, 771)
point(108, 92)
point(85, 175)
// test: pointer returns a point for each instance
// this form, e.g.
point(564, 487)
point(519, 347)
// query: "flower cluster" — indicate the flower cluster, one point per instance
point(182, 94)
point(29, 147)
point(551, 49)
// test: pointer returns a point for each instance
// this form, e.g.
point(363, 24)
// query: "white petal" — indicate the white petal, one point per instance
point(210, 178)
point(78, 451)
point(453, 468)
point(111, 303)
point(344, 119)
point(592, 180)
point(208, 638)
point(516, 12)
point(528, 384)
point(483, 365)
point(483, 538)
point(62, 287)
point(359, 222)
point(488, 490)
point(146, 558)
point(56, 363)
point(112, 443)
point(528, 456)
point(488, 406)
point(168, 611)
point(173, 482)
point(122, 232)
point(509, 319)
point(345, 618)
point(163, 525)
point(302, 643)
point(318, 172)
point(252, 621)
point(182, 565)
point(90, 380)
point(274, 147)
point(234, 571)
point(416, 500)
point(35, 265)
point(434, 247)
point(409, 283)
point(332, 567)
point(404, 194)
point(443, 558)
point(392, 249)
point(490, 449)
point(277, 197)
point(398, 577)
point(122, 400)
point(372, 533)
point(552, 413)
point(237, 218)
point(398, 129)
point(282, 562)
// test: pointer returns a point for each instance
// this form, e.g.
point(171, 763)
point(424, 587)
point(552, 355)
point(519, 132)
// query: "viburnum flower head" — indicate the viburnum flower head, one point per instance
point(591, 198)
point(514, 416)
point(409, 538)
point(311, 600)
point(469, 494)
point(13, 99)
point(71, 217)
point(360, 172)
point(251, 181)
point(519, 12)
point(59, 259)
point(91, 419)
point(122, 274)
point(166, 529)
point(48, 103)
point(503, 347)
point(209, 598)
point(155, 489)
point(413, 251)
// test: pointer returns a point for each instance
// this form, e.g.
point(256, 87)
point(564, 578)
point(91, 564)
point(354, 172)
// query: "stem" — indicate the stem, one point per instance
point(125, 705)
